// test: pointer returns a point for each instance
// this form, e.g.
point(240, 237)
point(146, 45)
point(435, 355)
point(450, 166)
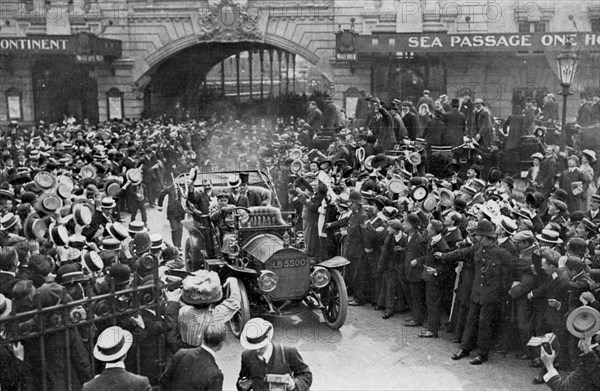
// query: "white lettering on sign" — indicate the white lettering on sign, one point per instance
point(592, 39)
point(346, 56)
point(284, 263)
point(44, 44)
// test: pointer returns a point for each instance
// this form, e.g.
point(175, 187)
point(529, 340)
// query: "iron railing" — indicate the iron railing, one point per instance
point(84, 315)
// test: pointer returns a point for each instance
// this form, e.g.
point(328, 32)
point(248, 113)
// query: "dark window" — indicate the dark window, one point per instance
point(524, 27)
point(539, 27)
point(596, 25)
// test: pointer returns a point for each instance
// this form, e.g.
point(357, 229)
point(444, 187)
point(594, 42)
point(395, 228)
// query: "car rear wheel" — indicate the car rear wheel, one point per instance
point(237, 323)
point(335, 301)
point(194, 259)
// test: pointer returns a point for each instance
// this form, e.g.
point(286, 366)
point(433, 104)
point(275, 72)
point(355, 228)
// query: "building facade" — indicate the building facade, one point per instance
point(101, 60)
point(503, 52)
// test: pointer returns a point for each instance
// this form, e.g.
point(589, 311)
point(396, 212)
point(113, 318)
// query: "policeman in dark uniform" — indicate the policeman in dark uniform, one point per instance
point(492, 280)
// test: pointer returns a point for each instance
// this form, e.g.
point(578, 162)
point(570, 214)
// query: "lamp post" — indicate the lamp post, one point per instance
point(567, 66)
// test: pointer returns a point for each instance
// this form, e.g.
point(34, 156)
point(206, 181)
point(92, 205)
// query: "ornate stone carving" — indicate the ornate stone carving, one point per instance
point(228, 21)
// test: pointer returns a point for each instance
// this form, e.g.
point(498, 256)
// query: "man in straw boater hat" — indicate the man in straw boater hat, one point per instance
point(100, 219)
point(193, 307)
point(583, 323)
point(264, 362)
point(111, 348)
point(492, 262)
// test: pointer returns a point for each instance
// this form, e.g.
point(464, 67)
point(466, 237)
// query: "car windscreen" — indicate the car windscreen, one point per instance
point(220, 178)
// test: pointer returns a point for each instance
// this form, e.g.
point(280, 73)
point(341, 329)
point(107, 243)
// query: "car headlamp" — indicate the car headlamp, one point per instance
point(320, 277)
point(267, 282)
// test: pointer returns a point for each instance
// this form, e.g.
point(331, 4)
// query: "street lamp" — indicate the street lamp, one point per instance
point(567, 66)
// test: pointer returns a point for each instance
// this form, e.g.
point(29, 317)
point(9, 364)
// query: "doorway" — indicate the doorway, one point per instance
point(63, 87)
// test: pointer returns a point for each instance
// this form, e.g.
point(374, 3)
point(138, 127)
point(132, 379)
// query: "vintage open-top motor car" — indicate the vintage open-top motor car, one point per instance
point(265, 254)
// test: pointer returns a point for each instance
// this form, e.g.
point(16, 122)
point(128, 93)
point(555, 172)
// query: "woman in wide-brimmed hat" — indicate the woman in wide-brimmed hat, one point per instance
point(588, 158)
point(199, 295)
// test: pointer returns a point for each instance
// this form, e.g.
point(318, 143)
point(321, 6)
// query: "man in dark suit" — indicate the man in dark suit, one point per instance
point(262, 361)
point(202, 200)
point(568, 178)
point(381, 126)
point(8, 271)
point(411, 122)
point(480, 125)
point(492, 280)
point(236, 198)
point(584, 112)
point(196, 369)
point(548, 171)
point(100, 219)
point(595, 110)
point(455, 125)
point(593, 213)
point(111, 348)
point(315, 117)
point(415, 247)
point(428, 100)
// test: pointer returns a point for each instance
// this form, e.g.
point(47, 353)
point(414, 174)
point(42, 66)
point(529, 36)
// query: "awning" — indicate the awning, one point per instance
point(82, 44)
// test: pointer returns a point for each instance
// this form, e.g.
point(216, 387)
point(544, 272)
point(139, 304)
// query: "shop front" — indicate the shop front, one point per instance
point(505, 70)
point(48, 78)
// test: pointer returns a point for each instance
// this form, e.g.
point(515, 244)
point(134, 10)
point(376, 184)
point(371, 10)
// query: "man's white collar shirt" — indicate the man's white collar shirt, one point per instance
point(268, 353)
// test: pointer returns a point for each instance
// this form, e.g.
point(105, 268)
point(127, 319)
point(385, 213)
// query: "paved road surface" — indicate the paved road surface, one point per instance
point(370, 353)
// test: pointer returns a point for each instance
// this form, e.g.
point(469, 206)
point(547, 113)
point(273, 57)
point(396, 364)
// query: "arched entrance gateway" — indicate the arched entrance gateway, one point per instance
point(229, 78)
point(234, 65)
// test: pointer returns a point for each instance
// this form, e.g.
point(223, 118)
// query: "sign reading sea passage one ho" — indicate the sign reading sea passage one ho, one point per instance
point(469, 42)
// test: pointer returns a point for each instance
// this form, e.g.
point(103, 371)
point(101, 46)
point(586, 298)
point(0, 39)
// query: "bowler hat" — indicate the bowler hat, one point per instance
point(119, 274)
point(485, 228)
point(355, 197)
point(413, 220)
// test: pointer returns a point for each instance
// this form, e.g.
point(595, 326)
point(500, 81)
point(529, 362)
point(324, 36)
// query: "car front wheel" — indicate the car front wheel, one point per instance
point(335, 301)
point(237, 323)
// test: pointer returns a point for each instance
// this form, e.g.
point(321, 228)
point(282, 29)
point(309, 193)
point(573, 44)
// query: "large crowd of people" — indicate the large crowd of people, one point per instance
point(496, 258)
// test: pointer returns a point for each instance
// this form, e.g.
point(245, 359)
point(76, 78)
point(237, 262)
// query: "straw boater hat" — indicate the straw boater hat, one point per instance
point(583, 320)
point(34, 227)
point(257, 333)
point(113, 343)
point(49, 203)
point(5, 306)
point(134, 176)
point(549, 236)
point(135, 227)
point(8, 221)
point(233, 182)
point(59, 235)
point(92, 261)
point(82, 214)
point(117, 231)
